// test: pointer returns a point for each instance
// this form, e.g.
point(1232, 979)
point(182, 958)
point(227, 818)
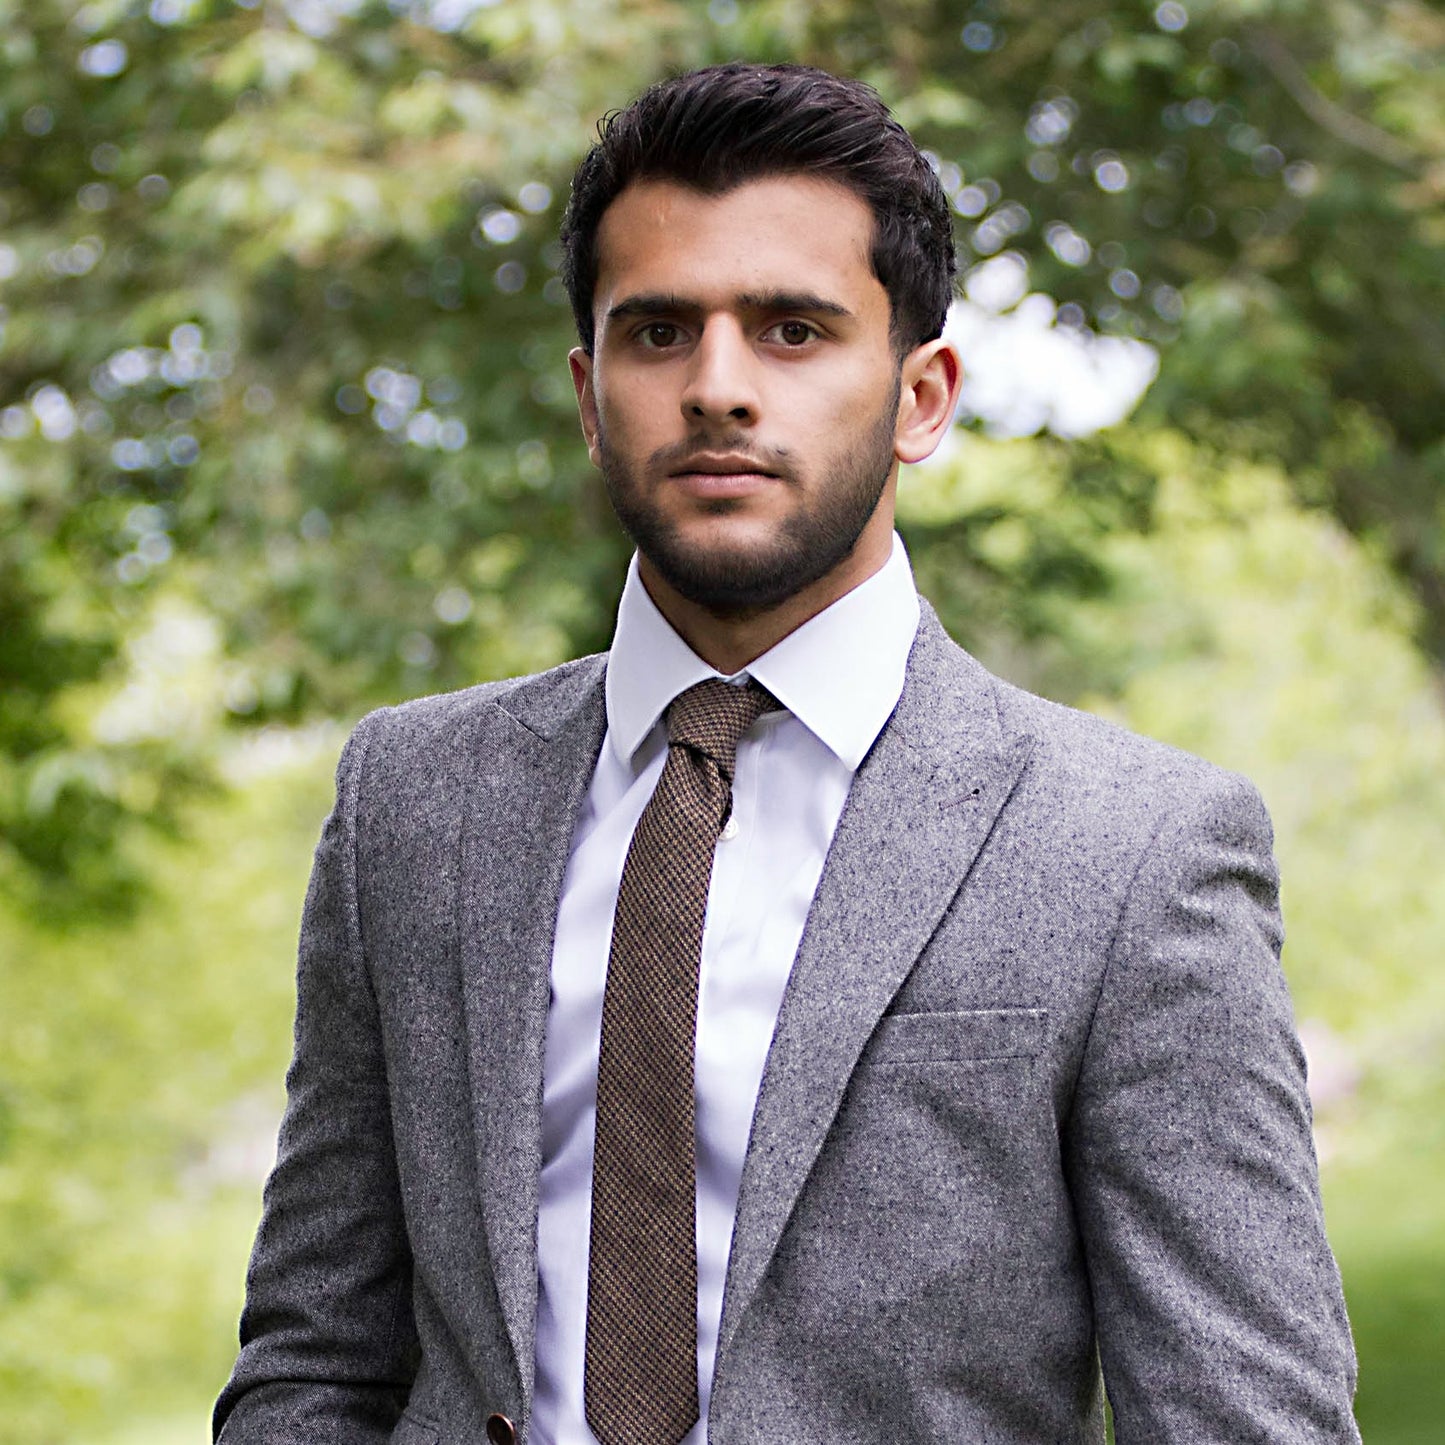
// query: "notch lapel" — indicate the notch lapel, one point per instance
point(521, 808)
point(920, 808)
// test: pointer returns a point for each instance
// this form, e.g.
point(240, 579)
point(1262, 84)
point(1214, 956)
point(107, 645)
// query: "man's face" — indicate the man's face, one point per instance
point(742, 398)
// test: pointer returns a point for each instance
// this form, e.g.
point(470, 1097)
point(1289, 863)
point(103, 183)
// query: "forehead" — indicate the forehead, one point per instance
point(780, 233)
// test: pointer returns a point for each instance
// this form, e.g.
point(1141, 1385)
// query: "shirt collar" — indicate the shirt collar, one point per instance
point(840, 674)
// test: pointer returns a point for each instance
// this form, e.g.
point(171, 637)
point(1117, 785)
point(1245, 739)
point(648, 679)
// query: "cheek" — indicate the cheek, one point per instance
point(631, 416)
point(837, 415)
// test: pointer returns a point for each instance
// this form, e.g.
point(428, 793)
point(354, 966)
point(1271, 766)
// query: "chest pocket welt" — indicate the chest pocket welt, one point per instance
point(413, 1430)
point(973, 1035)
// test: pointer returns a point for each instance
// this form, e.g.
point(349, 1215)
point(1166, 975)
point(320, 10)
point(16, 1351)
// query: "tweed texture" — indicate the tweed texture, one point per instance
point(1034, 1101)
point(641, 1359)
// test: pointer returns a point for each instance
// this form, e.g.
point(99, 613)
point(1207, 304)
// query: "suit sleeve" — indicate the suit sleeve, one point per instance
point(328, 1344)
point(1217, 1300)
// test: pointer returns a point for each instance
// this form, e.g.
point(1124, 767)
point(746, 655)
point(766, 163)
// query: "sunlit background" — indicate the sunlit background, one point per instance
point(286, 433)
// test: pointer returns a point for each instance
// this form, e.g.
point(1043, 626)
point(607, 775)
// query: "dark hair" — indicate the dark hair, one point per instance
point(717, 128)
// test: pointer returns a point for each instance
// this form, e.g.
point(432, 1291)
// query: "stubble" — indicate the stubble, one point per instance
point(816, 536)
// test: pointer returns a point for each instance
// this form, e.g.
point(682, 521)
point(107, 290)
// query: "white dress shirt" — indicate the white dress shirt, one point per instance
point(839, 676)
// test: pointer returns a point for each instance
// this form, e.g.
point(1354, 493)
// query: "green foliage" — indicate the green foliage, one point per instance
point(285, 431)
point(1254, 186)
point(1260, 635)
point(283, 332)
point(1255, 633)
point(140, 1064)
point(140, 1077)
point(1387, 1231)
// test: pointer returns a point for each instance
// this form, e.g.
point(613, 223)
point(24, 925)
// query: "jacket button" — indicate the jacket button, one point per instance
point(501, 1431)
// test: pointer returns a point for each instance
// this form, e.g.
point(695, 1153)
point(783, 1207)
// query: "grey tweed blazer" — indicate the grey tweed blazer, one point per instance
point(1034, 1102)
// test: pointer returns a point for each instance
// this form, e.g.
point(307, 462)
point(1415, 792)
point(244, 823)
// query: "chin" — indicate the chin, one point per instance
point(741, 557)
point(742, 578)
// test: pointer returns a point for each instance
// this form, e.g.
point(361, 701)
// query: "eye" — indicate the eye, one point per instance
point(793, 333)
point(657, 335)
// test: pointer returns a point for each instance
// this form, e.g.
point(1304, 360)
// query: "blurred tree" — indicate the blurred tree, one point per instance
point(141, 1063)
point(284, 338)
point(1255, 185)
point(285, 431)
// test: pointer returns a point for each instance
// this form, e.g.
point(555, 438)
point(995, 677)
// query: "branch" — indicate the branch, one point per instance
point(1339, 122)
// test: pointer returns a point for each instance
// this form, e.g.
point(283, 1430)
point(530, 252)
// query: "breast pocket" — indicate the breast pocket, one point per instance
point(413, 1430)
point(966, 1036)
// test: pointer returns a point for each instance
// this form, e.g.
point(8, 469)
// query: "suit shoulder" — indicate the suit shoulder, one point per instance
point(1108, 768)
point(1066, 741)
point(1085, 739)
point(424, 724)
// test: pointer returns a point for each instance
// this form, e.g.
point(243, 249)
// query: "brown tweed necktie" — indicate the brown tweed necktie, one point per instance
point(640, 1384)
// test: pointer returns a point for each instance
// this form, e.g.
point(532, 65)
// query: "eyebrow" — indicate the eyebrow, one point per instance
point(667, 304)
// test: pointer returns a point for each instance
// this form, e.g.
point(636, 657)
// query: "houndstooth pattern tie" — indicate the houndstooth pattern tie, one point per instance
point(640, 1385)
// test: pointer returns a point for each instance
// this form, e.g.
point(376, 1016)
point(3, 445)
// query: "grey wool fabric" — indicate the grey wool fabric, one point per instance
point(1034, 1103)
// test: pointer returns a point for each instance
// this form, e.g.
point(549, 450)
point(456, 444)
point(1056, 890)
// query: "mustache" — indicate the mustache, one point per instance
point(678, 456)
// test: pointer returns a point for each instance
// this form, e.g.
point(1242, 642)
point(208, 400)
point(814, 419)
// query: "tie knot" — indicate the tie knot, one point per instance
point(711, 716)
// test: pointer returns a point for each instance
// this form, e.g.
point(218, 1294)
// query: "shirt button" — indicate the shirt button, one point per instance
point(730, 829)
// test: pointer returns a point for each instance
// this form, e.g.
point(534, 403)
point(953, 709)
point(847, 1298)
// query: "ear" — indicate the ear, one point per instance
point(582, 368)
point(931, 378)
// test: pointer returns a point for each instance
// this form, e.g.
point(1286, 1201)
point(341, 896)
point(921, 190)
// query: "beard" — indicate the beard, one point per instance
point(742, 581)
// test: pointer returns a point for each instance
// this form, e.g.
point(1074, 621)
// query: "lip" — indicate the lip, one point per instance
point(722, 486)
point(716, 476)
point(721, 464)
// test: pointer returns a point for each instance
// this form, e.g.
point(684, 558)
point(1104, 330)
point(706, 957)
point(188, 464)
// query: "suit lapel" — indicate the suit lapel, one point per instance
point(521, 808)
point(919, 810)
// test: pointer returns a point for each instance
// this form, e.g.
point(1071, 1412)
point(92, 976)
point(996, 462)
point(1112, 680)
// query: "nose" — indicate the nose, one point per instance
point(721, 384)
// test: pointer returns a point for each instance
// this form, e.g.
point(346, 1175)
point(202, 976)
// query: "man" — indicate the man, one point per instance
point(780, 1030)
